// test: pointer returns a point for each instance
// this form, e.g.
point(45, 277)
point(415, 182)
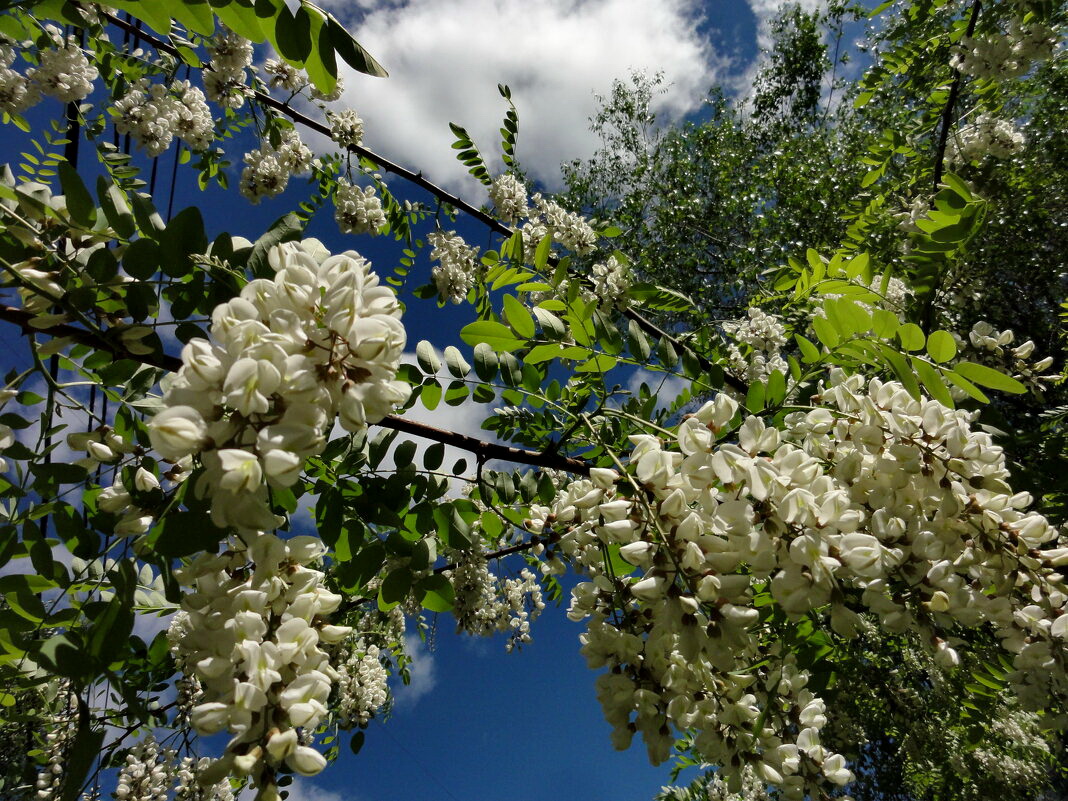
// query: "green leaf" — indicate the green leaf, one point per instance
point(430, 394)
point(911, 336)
point(395, 587)
point(933, 382)
point(967, 386)
point(486, 362)
point(456, 363)
point(989, 377)
point(240, 17)
point(185, 533)
point(428, 359)
point(941, 346)
point(809, 352)
point(436, 593)
point(495, 335)
point(518, 316)
point(80, 204)
point(351, 52)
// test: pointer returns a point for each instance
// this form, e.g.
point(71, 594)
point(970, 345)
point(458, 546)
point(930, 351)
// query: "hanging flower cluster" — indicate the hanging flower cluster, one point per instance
point(987, 136)
point(319, 340)
point(571, 230)
point(268, 168)
point(58, 740)
point(230, 56)
point(146, 775)
point(346, 128)
point(486, 604)
point(509, 197)
point(611, 282)
point(256, 621)
point(189, 787)
point(62, 72)
point(873, 501)
point(458, 266)
point(357, 210)
point(154, 114)
point(995, 348)
point(763, 336)
point(1007, 55)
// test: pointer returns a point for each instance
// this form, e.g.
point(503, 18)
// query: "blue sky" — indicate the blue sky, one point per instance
point(477, 723)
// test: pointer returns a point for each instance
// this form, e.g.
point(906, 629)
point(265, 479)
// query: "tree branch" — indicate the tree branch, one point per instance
point(648, 326)
point(951, 103)
point(164, 361)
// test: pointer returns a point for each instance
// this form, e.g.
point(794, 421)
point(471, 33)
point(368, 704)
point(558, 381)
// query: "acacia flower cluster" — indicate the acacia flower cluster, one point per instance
point(485, 604)
point(509, 197)
point(1005, 55)
point(154, 114)
point(252, 631)
point(318, 341)
point(357, 210)
point(458, 266)
point(146, 775)
point(189, 787)
point(611, 282)
point(62, 72)
point(987, 136)
point(995, 348)
point(58, 740)
point(873, 501)
point(268, 168)
point(230, 56)
point(570, 229)
point(763, 335)
point(346, 128)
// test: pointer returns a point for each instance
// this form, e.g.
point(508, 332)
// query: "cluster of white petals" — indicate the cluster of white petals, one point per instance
point(256, 623)
point(154, 114)
point(570, 229)
point(871, 502)
point(509, 196)
point(611, 282)
point(346, 128)
point(485, 604)
point(1005, 55)
point(16, 93)
point(362, 684)
point(987, 136)
point(58, 739)
point(189, 787)
point(268, 168)
point(146, 774)
point(63, 72)
point(284, 75)
point(996, 348)
point(320, 340)
point(458, 266)
point(357, 210)
point(757, 350)
point(230, 56)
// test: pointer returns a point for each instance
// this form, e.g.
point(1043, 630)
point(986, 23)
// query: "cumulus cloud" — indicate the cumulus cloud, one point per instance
point(446, 57)
point(423, 672)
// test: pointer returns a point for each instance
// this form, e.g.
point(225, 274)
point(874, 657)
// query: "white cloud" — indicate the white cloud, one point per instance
point(423, 672)
point(303, 790)
point(446, 57)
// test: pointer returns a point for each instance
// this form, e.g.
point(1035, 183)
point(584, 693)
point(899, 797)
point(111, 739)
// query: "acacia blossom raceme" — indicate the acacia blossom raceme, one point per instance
point(252, 631)
point(321, 340)
point(873, 501)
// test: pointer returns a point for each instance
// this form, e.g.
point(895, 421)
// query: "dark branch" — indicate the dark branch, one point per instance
point(951, 104)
